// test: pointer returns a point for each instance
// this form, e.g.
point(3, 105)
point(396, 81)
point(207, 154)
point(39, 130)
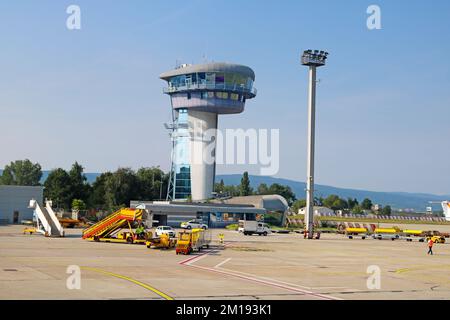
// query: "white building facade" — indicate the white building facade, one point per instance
point(14, 202)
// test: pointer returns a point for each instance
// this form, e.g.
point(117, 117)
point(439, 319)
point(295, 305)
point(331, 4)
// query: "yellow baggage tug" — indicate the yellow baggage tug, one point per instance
point(193, 240)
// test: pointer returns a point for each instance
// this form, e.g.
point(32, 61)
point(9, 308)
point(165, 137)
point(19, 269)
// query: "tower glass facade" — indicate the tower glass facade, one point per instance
point(211, 80)
point(181, 161)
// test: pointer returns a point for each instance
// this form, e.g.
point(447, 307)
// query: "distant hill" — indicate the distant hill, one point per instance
point(416, 201)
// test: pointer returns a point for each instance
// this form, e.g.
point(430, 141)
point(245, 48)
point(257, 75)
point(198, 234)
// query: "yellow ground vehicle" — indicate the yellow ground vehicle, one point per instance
point(351, 232)
point(162, 242)
point(108, 229)
point(386, 233)
point(409, 235)
point(410, 232)
point(29, 230)
point(436, 239)
point(193, 240)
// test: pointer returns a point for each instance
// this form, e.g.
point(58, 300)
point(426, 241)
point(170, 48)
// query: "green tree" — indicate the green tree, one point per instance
point(328, 201)
point(245, 189)
point(366, 204)
point(78, 204)
point(232, 191)
point(220, 187)
point(58, 188)
point(298, 204)
point(97, 197)
point(120, 188)
point(357, 209)
point(263, 189)
point(80, 188)
point(284, 191)
point(352, 203)
point(335, 202)
point(151, 183)
point(387, 210)
point(22, 172)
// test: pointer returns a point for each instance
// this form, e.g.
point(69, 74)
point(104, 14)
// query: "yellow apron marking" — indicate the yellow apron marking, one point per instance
point(402, 270)
point(423, 267)
point(146, 286)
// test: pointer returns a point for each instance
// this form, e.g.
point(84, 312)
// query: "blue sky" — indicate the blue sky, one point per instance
point(94, 95)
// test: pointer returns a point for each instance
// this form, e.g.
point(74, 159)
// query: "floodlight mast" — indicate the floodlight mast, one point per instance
point(313, 60)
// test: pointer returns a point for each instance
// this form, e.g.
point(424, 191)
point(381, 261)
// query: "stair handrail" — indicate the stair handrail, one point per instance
point(51, 213)
point(40, 215)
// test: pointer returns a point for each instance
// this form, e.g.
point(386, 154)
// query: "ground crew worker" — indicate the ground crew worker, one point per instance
point(430, 246)
point(221, 238)
point(140, 231)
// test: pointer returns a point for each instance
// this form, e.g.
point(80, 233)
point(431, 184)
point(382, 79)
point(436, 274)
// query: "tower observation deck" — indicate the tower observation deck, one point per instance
point(198, 94)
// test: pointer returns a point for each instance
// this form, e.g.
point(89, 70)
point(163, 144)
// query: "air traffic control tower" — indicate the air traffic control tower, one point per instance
point(198, 94)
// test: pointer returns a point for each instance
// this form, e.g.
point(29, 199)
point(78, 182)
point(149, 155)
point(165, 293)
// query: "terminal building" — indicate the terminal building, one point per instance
point(14, 202)
point(217, 213)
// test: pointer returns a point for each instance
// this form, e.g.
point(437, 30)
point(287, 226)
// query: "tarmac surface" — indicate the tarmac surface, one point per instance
point(279, 266)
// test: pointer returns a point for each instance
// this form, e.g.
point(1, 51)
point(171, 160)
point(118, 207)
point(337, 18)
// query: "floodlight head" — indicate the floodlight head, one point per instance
point(316, 58)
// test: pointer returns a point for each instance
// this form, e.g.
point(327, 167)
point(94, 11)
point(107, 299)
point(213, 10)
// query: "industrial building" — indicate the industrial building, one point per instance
point(14, 202)
point(198, 94)
point(212, 214)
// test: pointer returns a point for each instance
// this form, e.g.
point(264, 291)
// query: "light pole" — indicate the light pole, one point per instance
point(312, 59)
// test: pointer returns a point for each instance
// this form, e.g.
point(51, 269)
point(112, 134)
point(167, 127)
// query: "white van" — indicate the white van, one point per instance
point(253, 227)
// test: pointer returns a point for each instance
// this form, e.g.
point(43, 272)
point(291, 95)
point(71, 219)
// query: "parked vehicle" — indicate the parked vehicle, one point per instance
point(385, 236)
point(254, 227)
point(194, 224)
point(164, 241)
point(165, 230)
point(356, 232)
point(436, 239)
point(192, 240)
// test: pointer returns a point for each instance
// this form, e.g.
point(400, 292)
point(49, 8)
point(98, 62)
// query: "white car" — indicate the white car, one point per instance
point(194, 224)
point(165, 230)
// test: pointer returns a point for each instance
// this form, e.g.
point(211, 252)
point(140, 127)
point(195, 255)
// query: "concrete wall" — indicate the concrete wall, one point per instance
point(17, 198)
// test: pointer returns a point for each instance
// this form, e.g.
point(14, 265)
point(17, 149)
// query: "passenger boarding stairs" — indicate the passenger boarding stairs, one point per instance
point(115, 221)
point(47, 222)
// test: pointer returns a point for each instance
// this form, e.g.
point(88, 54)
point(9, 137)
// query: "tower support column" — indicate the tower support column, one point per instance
point(203, 132)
